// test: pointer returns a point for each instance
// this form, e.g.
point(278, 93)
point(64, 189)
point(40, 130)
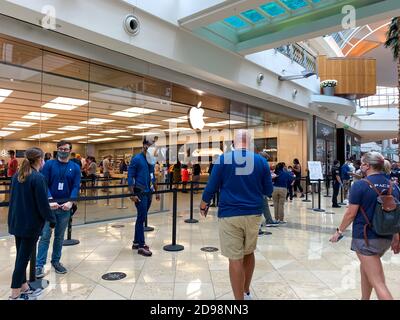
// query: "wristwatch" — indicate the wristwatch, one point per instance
point(338, 231)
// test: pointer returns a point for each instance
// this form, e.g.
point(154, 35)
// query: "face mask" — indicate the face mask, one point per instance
point(62, 154)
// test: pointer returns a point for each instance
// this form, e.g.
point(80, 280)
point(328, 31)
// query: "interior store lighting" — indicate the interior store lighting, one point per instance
point(11, 129)
point(21, 124)
point(95, 134)
point(133, 112)
point(55, 131)
point(76, 138)
point(102, 139)
point(113, 131)
point(71, 128)
point(41, 136)
point(144, 126)
point(63, 103)
point(39, 116)
point(4, 93)
point(6, 133)
point(97, 121)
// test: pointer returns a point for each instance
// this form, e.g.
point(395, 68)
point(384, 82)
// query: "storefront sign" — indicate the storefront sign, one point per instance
point(315, 169)
point(196, 119)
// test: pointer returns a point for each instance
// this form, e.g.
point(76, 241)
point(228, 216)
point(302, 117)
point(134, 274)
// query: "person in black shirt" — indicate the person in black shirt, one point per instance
point(297, 181)
point(28, 211)
point(196, 176)
point(337, 182)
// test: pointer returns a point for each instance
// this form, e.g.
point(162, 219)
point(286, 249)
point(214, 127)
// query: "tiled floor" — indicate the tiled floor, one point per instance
point(296, 262)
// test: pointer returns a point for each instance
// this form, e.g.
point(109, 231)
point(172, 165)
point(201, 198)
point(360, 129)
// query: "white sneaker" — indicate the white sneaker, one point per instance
point(248, 296)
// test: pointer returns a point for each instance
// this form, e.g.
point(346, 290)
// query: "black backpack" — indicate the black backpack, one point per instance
point(386, 219)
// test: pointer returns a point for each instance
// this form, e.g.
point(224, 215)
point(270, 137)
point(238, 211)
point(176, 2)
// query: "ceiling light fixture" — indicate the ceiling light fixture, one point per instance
point(39, 116)
point(176, 120)
point(97, 121)
point(4, 93)
point(6, 133)
point(55, 131)
point(133, 112)
point(113, 131)
point(71, 128)
point(63, 103)
point(11, 129)
point(95, 134)
point(76, 138)
point(21, 124)
point(102, 139)
point(145, 133)
point(144, 126)
point(230, 122)
point(41, 136)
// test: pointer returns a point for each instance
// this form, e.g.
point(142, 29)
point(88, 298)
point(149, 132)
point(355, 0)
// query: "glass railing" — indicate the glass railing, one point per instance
point(300, 55)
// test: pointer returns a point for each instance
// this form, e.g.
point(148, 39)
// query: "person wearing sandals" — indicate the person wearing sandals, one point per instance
point(368, 245)
point(29, 209)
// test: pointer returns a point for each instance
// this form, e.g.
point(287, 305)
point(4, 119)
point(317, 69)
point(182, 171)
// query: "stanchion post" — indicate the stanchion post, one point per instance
point(69, 241)
point(307, 188)
point(174, 246)
point(191, 220)
point(123, 198)
point(319, 198)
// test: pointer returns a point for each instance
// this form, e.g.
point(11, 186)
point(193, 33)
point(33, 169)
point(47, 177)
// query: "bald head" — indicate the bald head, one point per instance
point(242, 139)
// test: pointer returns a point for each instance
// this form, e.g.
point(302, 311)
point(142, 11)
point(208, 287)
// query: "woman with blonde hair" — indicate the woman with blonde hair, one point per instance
point(368, 245)
point(387, 168)
point(28, 210)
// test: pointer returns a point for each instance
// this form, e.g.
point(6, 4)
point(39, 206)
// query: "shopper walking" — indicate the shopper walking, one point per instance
point(63, 179)
point(243, 179)
point(142, 183)
point(345, 172)
point(297, 181)
point(368, 245)
point(281, 183)
point(28, 211)
point(185, 177)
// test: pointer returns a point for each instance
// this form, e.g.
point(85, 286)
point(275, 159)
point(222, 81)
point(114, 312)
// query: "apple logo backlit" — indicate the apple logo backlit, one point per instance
point(195, 116)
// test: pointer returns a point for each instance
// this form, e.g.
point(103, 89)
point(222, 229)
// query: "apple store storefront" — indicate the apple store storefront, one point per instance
point(47, 95)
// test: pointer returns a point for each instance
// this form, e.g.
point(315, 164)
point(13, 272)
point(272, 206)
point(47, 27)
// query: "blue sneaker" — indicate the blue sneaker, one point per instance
point(39, 272)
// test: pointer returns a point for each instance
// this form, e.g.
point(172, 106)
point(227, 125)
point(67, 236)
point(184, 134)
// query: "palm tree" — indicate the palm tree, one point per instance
point(393, 42)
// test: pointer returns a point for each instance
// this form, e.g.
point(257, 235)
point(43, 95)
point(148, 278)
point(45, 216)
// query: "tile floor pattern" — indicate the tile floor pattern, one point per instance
point(296, 262)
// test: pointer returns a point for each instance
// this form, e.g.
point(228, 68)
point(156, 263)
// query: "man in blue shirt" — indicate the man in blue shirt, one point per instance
point(63, 179)
point(345, 176)
point(142, 183)
point(242, 178)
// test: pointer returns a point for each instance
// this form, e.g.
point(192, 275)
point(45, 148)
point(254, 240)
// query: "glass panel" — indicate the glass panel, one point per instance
point(294, 4)
point(253, 15)
point(272, 9)
point(235, 22)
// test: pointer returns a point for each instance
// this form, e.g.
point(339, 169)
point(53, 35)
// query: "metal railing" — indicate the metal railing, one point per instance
point(300, 55)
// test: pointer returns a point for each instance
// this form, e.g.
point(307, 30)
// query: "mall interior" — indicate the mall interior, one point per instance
point(136, 68)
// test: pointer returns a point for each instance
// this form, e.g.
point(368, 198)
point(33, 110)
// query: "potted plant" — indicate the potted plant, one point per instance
point(328, 87)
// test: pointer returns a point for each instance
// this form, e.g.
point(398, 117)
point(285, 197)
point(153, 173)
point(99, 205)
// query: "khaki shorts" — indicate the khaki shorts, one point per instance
point(238, 235)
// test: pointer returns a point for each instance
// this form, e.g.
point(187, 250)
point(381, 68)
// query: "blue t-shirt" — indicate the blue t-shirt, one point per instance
point(283, 179)
point(243, 178)
point(63, 179)
point(141, 173)
point(345, 172)
point(362, 194)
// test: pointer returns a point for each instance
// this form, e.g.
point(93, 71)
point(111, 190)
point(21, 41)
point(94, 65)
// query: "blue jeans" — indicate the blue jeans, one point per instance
point(62, 218)
point(142, 208)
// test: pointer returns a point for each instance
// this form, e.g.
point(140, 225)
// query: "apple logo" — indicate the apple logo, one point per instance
point(195, 116)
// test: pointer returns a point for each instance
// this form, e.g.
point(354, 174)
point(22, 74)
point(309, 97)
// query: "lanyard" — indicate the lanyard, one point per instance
point(62, 177)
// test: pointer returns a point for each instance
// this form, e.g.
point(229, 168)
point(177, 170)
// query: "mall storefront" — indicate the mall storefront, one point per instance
point(47, 95)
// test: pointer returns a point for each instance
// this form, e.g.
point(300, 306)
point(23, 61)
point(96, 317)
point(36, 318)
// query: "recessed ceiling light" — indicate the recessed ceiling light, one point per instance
point(62, 103)
point(114, 131)
point(230, 122)
point(214, 124)
point(39, 116)
point(133, 112)
point(144, 133)
point(102, 139)
point(95, 134)
point(6, 133)
point(71, 128)
point(175, 120)
point(177, 129)
point(144, 126)
point(124, 137)
point(41, 136)
point(12, 129)
point(97, 121)
point(54, 131)
point(76, 138)
point(27, 139)
point(21, 124)
point(4, 93)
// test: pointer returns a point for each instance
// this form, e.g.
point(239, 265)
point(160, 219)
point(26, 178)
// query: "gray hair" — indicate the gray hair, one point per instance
point(242, 138)
point(374, 159)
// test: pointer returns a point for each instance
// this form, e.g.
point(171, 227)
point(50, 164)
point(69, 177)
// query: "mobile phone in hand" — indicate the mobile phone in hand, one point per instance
point(340, 237)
